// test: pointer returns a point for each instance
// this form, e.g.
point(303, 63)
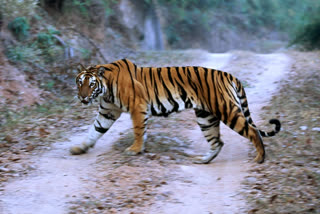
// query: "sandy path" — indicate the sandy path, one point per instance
point(61, 178)
point(215, 187)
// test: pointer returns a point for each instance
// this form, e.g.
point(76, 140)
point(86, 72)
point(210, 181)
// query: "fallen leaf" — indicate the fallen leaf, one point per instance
point(43, 132)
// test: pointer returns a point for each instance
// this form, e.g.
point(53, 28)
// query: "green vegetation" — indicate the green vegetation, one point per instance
point(90, 9)
point(197, 18)
point(20, 28)
point(11, 9)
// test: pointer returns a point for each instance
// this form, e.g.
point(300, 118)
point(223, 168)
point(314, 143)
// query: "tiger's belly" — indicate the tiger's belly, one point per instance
point(165, 107)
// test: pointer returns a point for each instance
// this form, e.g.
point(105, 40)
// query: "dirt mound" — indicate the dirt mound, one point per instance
point(14, 89)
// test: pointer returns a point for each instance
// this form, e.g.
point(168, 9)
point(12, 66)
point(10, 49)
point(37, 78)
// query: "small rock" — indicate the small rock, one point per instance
point(147, 180)
point(156, 125)
point(153, 156)
point(30, 148)
point(31, 167)
point(299, 163)
point(113, 210)
point(165, 158)
point(303, 128)
point(14, 158)
point(284, 170)
point(317, 129)
point(10, 139)
point(251, 179)
point(3, 169)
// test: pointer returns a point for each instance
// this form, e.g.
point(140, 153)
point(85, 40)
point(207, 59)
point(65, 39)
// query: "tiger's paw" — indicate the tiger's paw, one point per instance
point(78, 150)
point(212, 154)
point(205, 159)
point(132, 151)
point(259, 159)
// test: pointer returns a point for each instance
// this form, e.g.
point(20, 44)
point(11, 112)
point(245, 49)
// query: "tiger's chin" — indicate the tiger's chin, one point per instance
point(85, 102)
point(88, 102)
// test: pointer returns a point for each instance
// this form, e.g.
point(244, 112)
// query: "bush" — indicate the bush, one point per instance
point(20, 28)
point(308, 37)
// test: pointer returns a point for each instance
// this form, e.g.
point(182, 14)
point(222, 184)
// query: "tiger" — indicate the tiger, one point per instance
point(122, 86)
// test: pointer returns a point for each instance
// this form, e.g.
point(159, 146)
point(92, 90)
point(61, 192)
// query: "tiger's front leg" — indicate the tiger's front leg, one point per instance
point(139, 119)
point(108, 114)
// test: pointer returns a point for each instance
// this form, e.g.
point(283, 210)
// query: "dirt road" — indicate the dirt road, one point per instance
point(163, 180)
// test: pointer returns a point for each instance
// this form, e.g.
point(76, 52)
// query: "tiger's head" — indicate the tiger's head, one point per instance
point(89, 83)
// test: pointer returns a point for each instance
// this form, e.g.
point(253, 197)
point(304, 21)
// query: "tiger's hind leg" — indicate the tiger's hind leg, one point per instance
point(237, 122)
point(210, 126)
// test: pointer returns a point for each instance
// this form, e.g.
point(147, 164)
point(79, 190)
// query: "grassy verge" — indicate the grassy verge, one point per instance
point(289, 181)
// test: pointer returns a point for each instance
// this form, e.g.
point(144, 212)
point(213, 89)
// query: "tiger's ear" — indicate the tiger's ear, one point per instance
point(80, 68)
point(101, 71)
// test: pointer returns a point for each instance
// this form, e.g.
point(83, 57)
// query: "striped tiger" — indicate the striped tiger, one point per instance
point(122, 86)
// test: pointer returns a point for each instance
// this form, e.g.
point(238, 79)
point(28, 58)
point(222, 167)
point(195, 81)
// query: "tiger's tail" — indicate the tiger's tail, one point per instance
point(245, 109)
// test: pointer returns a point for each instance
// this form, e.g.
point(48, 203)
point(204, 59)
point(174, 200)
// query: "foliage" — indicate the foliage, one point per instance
point(90, 8)
point(186, 17)
point(21, 53)
point(11, 9)
point(20, 28)
point(309, 36)
point(44, 48)
point(197, 18)
point(307, 31)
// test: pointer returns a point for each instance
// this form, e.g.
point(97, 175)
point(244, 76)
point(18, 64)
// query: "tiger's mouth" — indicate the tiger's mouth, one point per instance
point(85, 102)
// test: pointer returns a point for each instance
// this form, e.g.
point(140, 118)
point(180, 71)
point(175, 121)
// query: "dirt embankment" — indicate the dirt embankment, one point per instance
point(164, 179)
point(14, 89)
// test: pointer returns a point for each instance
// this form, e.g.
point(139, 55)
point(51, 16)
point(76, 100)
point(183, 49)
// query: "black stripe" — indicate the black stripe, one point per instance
point(233, 122)
point(132, 81)
point(205, 127)
point(191, 83)
point(208, 88)
point(212, 139)
point(214, 121)
point(183, 94)
point(244, 105)
point(179, 75)
point(198, 76)
point(217, 111)
point(146, 85)
point(108, 116)
point(202, 113)
point(225, 115)
point(169, 75)
point(100, 129)
point(135, 70)
point(170, 98)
